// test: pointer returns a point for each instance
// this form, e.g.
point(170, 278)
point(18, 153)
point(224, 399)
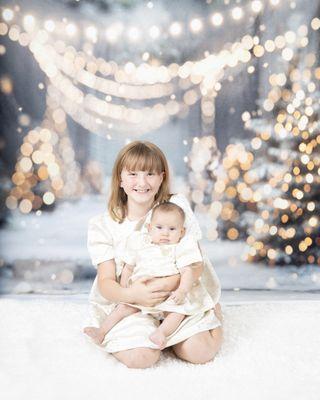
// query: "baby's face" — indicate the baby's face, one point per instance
point(166, 227)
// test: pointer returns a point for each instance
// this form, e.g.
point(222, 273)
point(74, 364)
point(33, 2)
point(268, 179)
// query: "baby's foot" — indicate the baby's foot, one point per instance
point(96, 334)
point(158, 338)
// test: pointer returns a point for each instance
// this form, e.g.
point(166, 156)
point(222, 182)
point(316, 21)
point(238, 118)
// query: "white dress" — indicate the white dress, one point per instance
point(157, 261)
point(107, 240)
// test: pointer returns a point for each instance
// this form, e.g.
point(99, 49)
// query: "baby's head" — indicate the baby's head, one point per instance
point(166, 225)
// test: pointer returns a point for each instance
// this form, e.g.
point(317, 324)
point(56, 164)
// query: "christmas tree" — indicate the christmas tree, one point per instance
point(46, 168)
point(287, 228)
point(233, 191)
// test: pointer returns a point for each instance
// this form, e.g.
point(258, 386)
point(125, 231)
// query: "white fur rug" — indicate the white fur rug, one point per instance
point(270, 351)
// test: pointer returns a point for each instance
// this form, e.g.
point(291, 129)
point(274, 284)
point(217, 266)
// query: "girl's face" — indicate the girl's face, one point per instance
point(140, 186)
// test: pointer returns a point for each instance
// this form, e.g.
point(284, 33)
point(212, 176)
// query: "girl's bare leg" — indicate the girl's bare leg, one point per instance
point(140, 357)
point(202, 347)
point(168, 326)
point(120, 312)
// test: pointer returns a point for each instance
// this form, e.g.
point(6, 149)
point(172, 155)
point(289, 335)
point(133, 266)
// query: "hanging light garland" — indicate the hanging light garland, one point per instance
point(117, 31)
point(69, 70)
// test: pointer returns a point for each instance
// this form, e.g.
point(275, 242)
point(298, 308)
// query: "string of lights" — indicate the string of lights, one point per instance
point(117, 31)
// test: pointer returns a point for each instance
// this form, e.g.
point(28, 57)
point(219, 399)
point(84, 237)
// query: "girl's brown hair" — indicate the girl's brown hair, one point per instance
point(137, 156)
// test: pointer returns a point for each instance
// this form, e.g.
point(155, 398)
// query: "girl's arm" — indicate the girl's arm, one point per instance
point(138, 293)
point(197, 269)
point(107, 284)
point(125, 275)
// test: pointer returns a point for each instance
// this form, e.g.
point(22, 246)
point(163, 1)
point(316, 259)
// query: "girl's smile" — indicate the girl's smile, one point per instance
point(140, 186)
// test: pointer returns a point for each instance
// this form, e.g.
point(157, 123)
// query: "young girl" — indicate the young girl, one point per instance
point(162, 251)
point(140, 180)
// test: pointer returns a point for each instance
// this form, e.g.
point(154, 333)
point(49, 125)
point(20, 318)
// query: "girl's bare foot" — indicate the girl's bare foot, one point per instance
point(96, 334)
point(218, 312)
point(158, 338)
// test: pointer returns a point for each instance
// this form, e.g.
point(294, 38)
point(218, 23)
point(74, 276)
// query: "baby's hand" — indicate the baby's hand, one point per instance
point(178, 296)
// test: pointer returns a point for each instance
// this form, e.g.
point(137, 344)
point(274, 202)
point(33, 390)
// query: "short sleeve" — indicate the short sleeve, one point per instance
point(100, 241)
point(129, 254)
point(187, 252)
point(191, 223)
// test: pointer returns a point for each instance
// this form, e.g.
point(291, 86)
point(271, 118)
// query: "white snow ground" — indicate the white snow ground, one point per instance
point(270, 351)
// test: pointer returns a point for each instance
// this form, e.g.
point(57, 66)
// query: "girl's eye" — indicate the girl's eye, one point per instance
point(132, 173)
point(150, 173)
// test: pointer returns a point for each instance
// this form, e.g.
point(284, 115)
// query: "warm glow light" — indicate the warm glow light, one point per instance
point(217, 19)
point(49, 25)
point(287, 54)
point(154, 32)
point(91, 33)
point(7, 14)
point(114, 32)
point(134, 34)
point(256, 6)
point(315, 24)
point(196, 25)
point(28, 22)
point(71, 29)
point(175, 29)
point(237, 13)
point(48, 198)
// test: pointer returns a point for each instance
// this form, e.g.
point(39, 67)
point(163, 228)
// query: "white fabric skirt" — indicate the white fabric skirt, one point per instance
point(134, 330)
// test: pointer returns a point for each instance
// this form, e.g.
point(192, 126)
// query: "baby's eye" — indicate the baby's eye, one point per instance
point(158, 226)
point(172, 229)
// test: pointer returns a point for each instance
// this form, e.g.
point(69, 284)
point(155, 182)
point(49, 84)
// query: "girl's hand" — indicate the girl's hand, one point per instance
point(178, 296)
point(144, 295)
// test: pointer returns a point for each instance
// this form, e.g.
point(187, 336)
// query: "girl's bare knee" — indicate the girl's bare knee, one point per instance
point(140, 358)
point(143, 358)
point(198, 349)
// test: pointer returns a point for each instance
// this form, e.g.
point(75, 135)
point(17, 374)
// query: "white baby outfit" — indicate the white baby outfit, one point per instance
point(156, 260)
point(106, 241)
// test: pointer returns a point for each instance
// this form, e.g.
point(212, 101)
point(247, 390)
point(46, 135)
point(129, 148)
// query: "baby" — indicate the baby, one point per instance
point(162, 251)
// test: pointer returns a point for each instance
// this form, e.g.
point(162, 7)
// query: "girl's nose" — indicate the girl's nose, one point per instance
point(141, 179)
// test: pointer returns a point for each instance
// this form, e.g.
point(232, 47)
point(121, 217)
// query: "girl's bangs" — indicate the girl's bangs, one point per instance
point(144, 160)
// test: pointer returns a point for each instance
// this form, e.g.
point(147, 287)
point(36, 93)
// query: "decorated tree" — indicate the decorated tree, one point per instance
point(233, 194)
point(46, 168)
point(286, 230)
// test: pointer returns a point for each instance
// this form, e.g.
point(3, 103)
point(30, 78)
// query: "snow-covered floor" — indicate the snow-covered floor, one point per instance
point(271, 351)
